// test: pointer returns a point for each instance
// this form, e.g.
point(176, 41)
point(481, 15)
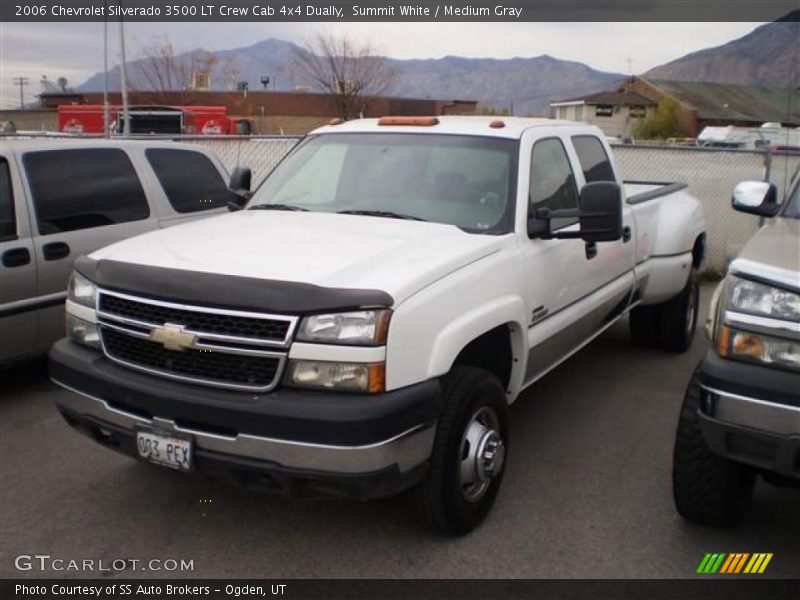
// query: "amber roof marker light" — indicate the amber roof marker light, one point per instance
point(497, 124)
point(408, 121)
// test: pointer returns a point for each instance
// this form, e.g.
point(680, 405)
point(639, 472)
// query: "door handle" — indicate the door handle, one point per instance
point(16, 257)
point(591, 250)
point(626, 234)
point(55, 251)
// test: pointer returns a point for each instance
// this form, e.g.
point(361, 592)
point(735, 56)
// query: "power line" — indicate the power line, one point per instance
point(21, 82)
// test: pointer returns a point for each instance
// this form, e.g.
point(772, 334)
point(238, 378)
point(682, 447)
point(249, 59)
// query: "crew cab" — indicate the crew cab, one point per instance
point(361, 324)
point(64, 198)
point(741, 413)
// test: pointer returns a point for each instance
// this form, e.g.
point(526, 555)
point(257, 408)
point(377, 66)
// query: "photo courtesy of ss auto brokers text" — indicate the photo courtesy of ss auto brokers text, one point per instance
point(285, 284)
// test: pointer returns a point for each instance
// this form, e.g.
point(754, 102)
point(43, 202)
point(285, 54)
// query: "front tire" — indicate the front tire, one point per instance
point(468, 455)
point(707, 488)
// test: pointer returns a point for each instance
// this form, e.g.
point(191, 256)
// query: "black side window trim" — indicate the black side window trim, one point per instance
point(571, 170)
point(4, 163)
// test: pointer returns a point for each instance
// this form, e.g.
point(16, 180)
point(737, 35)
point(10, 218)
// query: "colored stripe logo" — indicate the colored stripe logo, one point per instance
point(734, 563)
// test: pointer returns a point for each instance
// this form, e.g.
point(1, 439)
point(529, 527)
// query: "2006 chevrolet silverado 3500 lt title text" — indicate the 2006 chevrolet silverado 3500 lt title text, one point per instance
point(361, 327)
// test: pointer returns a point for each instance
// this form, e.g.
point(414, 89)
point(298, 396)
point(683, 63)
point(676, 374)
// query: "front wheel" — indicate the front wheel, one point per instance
point(469, 453)
point(707, 488)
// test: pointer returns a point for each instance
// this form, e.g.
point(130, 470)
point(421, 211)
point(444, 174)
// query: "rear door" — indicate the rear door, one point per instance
point(82, 199)
point(18, 303)
point(612, 259)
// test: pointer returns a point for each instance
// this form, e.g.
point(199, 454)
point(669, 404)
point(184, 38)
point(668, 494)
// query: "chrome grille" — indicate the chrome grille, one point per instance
point(219, 347)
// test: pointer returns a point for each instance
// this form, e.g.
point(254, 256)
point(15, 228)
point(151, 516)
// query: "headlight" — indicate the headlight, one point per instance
point(758, 347)
point(354, 377)
point(81, 290)
point(764, 300)
point(361, 328)
point(83, 331)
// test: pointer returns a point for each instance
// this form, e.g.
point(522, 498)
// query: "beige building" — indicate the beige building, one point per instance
point(616, 113)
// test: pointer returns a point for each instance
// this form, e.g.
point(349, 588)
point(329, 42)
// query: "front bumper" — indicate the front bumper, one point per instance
point(751, 414)
point(292, 440)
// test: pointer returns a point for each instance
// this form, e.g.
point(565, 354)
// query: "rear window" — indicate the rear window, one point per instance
point(190, 180)
point(593, 158)
point(79, 189)
point(8, 226)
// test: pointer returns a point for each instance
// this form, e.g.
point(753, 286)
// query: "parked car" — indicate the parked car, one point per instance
point(741, 414)
point(363, 325)
point(63, 198)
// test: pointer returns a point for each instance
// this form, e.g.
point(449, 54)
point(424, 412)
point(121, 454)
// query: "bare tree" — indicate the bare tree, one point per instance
point(164, 71)
point(352, 73)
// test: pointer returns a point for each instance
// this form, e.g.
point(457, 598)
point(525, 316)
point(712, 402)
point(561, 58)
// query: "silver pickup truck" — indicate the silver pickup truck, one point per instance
point(741, 413)
point(60, 199)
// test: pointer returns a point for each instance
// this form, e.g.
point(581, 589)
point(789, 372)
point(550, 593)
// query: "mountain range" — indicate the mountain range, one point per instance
point(769, 55)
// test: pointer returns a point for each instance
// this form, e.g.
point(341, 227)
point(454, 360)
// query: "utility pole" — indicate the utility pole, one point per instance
point(21, 82)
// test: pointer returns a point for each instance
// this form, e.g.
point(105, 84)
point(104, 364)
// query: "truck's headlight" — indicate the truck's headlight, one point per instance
point(354, 377)
point(361, 328)
point(758, 347)
point(81, 290)
point(759, 299)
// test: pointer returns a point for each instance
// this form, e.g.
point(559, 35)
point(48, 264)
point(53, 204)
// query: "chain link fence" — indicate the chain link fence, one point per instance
point(261, 154)
point(711, 174)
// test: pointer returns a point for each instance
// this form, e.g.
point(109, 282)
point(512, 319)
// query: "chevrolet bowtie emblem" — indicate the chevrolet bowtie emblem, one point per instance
point(173, 337)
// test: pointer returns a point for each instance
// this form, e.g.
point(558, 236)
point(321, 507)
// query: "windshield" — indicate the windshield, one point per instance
point(458, 180)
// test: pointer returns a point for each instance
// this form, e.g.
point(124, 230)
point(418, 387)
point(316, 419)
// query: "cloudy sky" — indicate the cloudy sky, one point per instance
point(75, 50)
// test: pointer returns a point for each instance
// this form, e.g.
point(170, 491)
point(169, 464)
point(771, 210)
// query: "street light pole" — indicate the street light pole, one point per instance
point(106, 116)
point(126, 126)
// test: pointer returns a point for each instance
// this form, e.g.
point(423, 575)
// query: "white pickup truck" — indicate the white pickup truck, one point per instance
point(362, 325)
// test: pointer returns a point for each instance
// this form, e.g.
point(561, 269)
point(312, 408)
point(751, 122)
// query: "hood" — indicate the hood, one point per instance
point(341, 251)
point(773, 253)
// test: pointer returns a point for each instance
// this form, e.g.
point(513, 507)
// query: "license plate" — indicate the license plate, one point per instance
point(165, 449)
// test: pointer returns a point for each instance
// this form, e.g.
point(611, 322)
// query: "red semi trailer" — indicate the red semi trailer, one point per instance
point(87, 119)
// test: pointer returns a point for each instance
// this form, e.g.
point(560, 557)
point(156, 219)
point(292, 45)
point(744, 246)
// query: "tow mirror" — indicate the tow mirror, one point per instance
point(756, 198)
point(599, 215)
point(601, 212)
point(240, 188)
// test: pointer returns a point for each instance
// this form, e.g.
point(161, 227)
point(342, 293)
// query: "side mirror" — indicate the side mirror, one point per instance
point(240, 188)
point(599, 215)
point(756, 198)
point(600, 212)
point(241, 179)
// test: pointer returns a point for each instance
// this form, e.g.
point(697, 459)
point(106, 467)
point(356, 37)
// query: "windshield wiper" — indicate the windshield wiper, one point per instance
point(379, 213)
point(277, 207)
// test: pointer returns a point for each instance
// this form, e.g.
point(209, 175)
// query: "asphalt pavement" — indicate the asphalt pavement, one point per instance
point(587, 494)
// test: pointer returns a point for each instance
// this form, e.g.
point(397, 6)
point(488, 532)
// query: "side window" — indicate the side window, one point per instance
point(190, 180)
point(552, 183)
point(79, 189)
point(593, 158)
point(8, 225)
